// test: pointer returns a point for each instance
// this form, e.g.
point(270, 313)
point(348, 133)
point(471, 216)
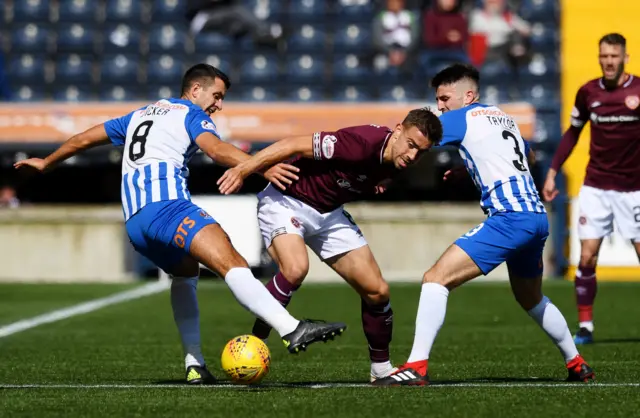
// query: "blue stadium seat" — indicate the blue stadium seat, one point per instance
point(121, 38)
point(350, 69)
point(116, 93)
point(220, 61)
point(541, 68)
point(259, 68)
point(77, 11)
point(308, 11)
point(544, 37)
point(544, 96)
point(547, 128)
point(74, 69)
point(305, 68)
point(119, 69)
point(28, 93)
point(400, 93)
point(162, 91)
point(494, 94)
point(352, 38)
point(210, 42)
point(31, 11)
point(271, 10)
point(164, 69)
point(123, 11)
point(167, 10)
point(307, 38)
point(306, 93)
point(72, 93)
point(76, 38)
point(495, 70)
point(30, 38)
point(167, 38)
point(539, 10)
point(27, 68)
point(355, 11)
point(352, 94)
point(255, 94)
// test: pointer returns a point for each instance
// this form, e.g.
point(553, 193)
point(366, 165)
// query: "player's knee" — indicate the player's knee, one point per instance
point(295, 272)
point(432, 276)
point(377, 295)
point(588, 259)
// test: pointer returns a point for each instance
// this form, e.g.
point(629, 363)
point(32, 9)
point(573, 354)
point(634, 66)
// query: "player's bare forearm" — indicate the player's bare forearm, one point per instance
point(90, 138)
point(276, 153)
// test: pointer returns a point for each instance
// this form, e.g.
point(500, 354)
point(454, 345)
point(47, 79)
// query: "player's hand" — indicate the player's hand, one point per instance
point(282, 175)
point(37, 164)
point(231, 181)
point(454, 174)
point(383, 186)
point(549, 190)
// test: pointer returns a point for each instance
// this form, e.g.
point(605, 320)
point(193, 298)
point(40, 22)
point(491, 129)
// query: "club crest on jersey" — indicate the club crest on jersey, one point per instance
point(632, 102)
point(295, 222)
point(328, 145)
point(209, 126)
point(582, 220)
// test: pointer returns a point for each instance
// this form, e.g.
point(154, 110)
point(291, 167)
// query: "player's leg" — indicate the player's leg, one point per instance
point(359, 268)
point(594, 223)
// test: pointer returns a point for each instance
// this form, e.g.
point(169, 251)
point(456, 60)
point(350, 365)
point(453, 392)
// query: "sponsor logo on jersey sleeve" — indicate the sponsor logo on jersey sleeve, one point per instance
point(328, 146)
point(209, 126)
point(316, 146)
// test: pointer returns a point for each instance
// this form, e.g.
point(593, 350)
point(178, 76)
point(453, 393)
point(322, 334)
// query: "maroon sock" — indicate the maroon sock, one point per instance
point(377, 322)
point(280, 289)
point(586, 289)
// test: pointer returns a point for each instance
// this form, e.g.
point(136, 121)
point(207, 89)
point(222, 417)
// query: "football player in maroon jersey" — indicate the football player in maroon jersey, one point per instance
point(336, 167)
point(611, 189)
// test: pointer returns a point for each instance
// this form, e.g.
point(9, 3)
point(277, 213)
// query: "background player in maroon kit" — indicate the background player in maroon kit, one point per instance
point(611, 190)
point(335, 168)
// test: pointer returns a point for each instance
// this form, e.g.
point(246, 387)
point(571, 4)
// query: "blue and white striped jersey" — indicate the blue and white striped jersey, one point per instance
point(159, 140)
point(495, 156)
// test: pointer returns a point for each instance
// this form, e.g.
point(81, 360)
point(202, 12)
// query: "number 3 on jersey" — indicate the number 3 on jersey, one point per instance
point(519, 163)
point(138, 140)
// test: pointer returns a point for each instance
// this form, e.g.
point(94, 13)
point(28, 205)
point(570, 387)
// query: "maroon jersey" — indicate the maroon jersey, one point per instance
point(346, 166)
point(614, 156)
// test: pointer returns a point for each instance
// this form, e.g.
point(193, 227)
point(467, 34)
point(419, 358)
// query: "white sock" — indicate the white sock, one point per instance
point(431, 312)
point(184, 302)
point(382, 369)
point(586, 324)
point(254, 297)
point(553, 323)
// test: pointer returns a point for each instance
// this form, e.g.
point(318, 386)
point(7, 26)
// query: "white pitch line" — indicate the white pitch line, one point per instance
point(82, 308)
point(317, 386)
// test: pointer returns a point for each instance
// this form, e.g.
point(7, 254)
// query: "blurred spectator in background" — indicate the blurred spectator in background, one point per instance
point(8, 197)
point(233, 18)
point(499, 37)
point(396, 33)
point(445, 34)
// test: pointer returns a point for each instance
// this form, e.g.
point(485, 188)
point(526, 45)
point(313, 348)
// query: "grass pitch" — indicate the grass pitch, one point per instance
point(490, 358)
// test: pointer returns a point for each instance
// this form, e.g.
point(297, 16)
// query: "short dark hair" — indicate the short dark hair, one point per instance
point(201, 72)
point(427, 122)
point(613, 39)
point(455, 73)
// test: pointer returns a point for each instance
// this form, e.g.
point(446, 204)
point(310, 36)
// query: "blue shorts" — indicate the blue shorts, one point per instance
point(515, 237)
point(163, 231)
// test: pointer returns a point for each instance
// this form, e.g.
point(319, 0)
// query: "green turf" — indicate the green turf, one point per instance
point(486, 340)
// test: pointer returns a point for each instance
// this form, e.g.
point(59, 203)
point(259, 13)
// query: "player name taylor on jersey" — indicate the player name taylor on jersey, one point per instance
point(159, 140)
point(495, 156)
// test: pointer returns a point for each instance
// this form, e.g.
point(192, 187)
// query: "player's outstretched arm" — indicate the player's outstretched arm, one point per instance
point(231, 181)
point(90, 138)
point(566, 146)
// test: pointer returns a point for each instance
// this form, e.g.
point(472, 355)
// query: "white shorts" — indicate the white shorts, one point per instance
point(327, 234)
point(599, 209)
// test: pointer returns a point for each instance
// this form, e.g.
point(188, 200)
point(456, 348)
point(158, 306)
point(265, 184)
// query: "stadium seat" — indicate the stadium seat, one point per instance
point(350, 69)
point(355, 11)
point(28, 93)
point(128, 11)
point(72, 93)
point(221, 61)
point(116, 93)
point(352, 38)
point(351, 94)
point(164, 69)
point(308, 11)
point(31, 11)
point(539, 10)
point(547, 128)
point(27, 69)
point(30, 38)
point(76, 37)
point(400, 93)
point(544, 96)
point(74, 69)
point(540, 69)
point(211, 42)
point(256, 94)
point(119, 69)
point(544, 37)
point(168, 39)
point(77, 11)
point(307, 38)
point(167, 10)
point(494, 94)
point(259, 68)
point(121, 38)
point(305, 68)
point(305, 93)
point(271, 10)
point(162, 91)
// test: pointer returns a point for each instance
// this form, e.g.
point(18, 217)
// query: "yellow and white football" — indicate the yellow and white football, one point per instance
point(246, 359)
